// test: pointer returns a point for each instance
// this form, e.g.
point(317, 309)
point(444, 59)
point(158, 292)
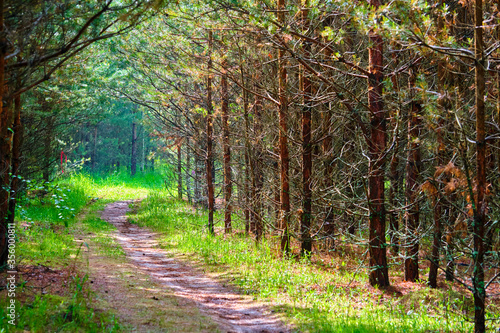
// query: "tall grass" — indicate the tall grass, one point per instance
point(315, 298)
point(47, 218)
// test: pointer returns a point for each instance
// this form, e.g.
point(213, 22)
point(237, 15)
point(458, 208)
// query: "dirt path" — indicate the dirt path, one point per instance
point(231, 311)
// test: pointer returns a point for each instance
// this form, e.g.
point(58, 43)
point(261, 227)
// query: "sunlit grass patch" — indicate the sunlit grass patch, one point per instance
point(316, 296)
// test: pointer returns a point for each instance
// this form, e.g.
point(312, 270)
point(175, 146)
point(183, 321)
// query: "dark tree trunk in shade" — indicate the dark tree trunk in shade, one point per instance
point(258, 177)
point(479, 221)
point(246, 182)
point(437, 206)
point(209, 159)
point(305, 223)
point(133, 155)
point(379, 273)
point(327, 146)
point(16, 158)
point(4, 140)
point(283, 142)
point(48, 153)
point(228, 185)
point(179, 170)
point(412, 175)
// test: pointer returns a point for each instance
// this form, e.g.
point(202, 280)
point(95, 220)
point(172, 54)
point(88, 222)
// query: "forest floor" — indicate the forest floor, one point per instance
point(108, 261)
point(153, 272)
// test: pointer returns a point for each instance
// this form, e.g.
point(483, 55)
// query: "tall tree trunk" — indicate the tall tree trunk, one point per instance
point(16, 158)
point(133, 155)
point(480, 211)
point(199, 162)
point(305, 223)
point(179, 170)
point(4, 137)
point(247, 199)
point(94, 149)
point(379, 273)
point(188, 171)
point(48, 153)
point(327, 146)
point(412, 174)
point(394, 174)
point(437, 205)
point(283, 142)
point(228, 185)
point(258, 177)
point(210, 185)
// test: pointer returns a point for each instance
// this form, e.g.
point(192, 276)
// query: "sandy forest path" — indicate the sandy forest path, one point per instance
point(231, 311)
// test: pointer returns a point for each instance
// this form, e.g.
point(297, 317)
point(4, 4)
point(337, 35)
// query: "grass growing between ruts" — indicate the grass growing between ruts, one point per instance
point(317, 298)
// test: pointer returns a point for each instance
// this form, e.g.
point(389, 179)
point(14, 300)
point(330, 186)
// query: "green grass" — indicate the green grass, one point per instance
point(48, 217)
point(316, 298)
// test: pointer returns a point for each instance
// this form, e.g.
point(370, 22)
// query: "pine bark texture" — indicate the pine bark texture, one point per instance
point(413, 167)
point(209, 158)
point(479, 291)
point(283, 142)
point(228, 184)
point(379, 274)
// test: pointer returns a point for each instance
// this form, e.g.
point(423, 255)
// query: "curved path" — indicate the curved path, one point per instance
point(231, 311)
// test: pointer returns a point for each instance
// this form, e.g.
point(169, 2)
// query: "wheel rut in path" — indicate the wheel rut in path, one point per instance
point(231, 311)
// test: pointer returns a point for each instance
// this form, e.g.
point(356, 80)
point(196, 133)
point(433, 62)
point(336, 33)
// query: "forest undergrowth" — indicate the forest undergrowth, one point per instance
point(53, 293)
point(326, 292)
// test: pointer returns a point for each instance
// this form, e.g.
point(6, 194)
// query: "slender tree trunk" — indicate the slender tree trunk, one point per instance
point(412, 174)
point(188, 171)
point(210, 185)
point(436, 200)
point(48, 153)
point(327, 146)
point(198, 170)
point(133, 155)
point(305, 223)
point(283, 142)
point(228, 185)
point(16, 158)
point(480, 211)
point(258, 177)
point(394, 175)
point(4, 157)
point(94, 149)
point(247, 200)
point(379, 273)
point(179, 170)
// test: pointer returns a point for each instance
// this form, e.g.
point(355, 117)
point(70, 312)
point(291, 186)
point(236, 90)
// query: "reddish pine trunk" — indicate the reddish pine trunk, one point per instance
point(247, 159)
point(412, 173)
point(379, 274)
point(436, 202)
point(479, 291)
point(283, 142)
point(210, 185)
point(258, 177)
point(305, 223)
point(228, 187)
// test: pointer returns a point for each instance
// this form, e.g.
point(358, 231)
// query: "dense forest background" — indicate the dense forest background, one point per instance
point(318, 124)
